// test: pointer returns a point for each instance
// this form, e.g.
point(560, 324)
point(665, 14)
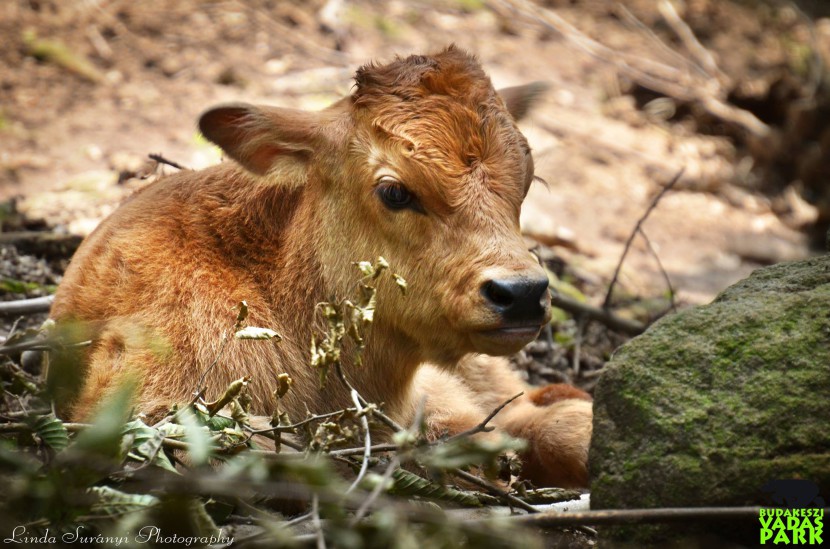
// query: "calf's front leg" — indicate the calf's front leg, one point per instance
point(554, 420)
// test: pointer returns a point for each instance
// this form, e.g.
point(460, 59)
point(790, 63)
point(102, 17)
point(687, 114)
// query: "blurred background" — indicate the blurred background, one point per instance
point(733, 92)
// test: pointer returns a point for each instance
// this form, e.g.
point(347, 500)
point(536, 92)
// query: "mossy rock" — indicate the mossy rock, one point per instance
point(710, 404)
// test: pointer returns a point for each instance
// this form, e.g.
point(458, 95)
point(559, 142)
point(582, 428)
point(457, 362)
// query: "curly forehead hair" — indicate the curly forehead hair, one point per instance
point(451, 72)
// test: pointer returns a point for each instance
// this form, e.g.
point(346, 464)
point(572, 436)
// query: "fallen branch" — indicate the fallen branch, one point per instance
point(42, 243)
point(40, 345)
point(633, 516)
point(510, 499)
point(609, 319)
point(26, 306)
point(681, 83)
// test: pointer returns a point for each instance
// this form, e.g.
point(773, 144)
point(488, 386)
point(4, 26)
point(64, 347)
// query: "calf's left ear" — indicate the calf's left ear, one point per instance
point(262, 138)
point(520, 99)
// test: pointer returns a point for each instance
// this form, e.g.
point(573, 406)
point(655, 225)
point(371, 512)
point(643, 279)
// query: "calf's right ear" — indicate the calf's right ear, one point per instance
point(261, 138)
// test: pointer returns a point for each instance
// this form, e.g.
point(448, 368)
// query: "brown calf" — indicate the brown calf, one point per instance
point(423, 164)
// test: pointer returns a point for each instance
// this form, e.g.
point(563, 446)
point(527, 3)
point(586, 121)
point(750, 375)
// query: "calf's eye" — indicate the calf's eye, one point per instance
point(397, 197)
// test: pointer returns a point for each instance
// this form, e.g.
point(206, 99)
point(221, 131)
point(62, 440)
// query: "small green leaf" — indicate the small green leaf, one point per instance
point(173, 431)
point(147, 443)
point(196, 435)
point(409, 484)
point(114, 503)
point(104, 436)
point(51, 431)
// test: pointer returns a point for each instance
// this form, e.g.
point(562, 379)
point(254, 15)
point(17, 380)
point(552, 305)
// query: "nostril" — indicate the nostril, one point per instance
point(519, 299)
point(498, 293)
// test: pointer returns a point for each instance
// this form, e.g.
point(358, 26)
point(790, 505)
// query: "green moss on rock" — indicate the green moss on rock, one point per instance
point(709, 404)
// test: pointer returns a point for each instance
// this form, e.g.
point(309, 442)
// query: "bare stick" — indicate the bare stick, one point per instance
point(286, 428)
point(26, 306)
point(367, 439)
point(690, 41)
point(495, 490)
point(619, 324)
point(481, 427)
point(607, 303)
point(13, 329)
point(377, 448)
point(629, 516)
point(161, 160)
point(41, 345)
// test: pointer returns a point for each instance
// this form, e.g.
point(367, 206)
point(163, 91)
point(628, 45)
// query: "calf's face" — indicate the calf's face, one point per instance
point(424, 165)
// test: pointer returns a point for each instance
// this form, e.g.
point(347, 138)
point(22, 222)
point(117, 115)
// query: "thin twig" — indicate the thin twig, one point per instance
point(13, 329)
point(672, 304)
point(394, 464)
point(482, 427)
point(200, 389)
point(606, 304)
point(386, 420)
point(367, 441)
point(287, 428)
point(377, 448)
point(161, 160)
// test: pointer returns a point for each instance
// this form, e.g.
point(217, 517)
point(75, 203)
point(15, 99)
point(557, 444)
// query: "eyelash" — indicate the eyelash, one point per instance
point(396, 197)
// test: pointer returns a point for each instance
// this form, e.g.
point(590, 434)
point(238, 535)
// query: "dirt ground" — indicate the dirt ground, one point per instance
point(88, 88)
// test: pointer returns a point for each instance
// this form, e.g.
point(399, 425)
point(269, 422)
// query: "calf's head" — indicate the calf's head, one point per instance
point(423, 164)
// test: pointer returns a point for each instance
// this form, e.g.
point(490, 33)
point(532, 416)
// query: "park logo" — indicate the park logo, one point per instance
point(795, 516)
